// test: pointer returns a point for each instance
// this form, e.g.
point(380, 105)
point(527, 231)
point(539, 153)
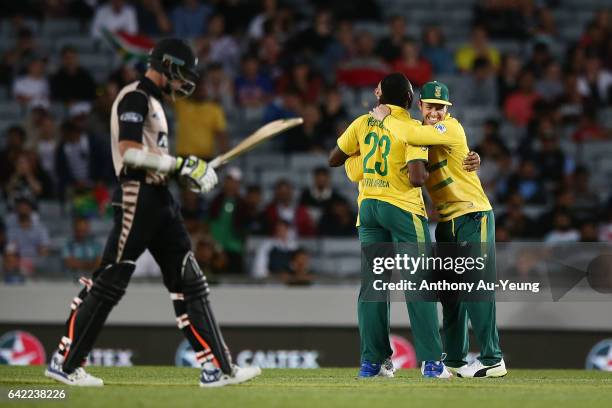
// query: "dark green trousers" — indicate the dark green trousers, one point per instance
point(476, 228)
point(381, 222)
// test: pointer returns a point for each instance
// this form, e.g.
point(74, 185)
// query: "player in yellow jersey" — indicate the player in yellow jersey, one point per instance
point(391, 211)
point(466, 218)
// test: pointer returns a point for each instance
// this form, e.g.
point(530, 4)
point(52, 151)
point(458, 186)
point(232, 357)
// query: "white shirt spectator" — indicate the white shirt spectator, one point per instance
point(604, 82)
point(556, 236)
point(106, 17)
point(30, 88)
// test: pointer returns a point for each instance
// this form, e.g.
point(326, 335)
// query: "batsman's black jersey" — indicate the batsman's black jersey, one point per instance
point(138, 115)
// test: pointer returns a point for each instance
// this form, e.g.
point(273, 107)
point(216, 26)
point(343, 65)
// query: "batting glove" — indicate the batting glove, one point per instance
point(199, 175)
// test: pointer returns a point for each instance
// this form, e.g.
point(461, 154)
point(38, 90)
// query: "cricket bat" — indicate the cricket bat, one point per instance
point(166, 164)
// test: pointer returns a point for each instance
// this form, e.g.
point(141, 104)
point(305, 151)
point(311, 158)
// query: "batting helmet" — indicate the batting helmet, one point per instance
point(174, 59)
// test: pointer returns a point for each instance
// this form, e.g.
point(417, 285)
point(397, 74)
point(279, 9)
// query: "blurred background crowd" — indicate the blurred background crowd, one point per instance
point(530, 80)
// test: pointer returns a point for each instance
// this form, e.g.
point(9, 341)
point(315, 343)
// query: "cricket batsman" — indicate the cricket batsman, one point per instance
point(146, 216)
point(391, 211)
point(466, 216)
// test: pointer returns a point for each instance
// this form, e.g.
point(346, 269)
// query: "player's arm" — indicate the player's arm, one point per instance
point(348, 145)
point(131, 112)
point(417, 157)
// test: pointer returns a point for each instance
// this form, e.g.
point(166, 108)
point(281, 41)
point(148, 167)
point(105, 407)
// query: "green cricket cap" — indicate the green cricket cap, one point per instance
point(435, 92)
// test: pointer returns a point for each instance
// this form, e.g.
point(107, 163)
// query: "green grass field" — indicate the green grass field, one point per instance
point(321, 388)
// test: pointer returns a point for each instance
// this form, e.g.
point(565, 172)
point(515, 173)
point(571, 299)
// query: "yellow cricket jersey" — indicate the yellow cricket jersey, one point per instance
point(453, 190)
point(198, 124)
point(385, 156)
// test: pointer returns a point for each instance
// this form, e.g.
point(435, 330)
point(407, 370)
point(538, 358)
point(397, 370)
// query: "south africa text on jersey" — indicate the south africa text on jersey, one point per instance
point(375, 183)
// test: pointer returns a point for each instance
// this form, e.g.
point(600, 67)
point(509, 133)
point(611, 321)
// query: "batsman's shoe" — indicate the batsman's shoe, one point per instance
point(79, 377)
point(387, 369)
point(479, 370)
point(435, 369)
point(212, 376)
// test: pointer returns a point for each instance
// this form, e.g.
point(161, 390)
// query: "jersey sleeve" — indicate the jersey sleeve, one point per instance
point(417, 153)
point(354, 168)
point(439, 134)
point(131, 112)
point(348, 142)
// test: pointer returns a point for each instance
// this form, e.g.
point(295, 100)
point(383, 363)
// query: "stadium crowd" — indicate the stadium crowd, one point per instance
point(541, 104)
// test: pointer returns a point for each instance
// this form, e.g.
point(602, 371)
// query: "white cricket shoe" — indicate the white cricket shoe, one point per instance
point(479, 370)
point(79, 377)
point(214, 377)
point(387, 370)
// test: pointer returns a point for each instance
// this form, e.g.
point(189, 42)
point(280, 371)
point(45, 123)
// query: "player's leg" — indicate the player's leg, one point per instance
point(189, 293)
point(454, 314)
point(479, 230)
point(411, 232)
point(134, 223)
point(372, 306)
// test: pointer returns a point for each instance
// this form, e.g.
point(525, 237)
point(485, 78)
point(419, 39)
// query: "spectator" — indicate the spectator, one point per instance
point(253, 88)
point(36, 121)
point(190, 19)
point(253, 218)
point(527, 182)
point(477, 47)
point(256, 29)
point(75, 159)
point(71, 82)
point(192, 212)
point(341, 49)
point(587, 201)
point(507, 80)
point(564, 201)
point(337, 220)
point(588, 231)
point(550, 85)
point(28, 178)
point(596, 82)
point(274, 254)
point(222, 48)
point(270, 55)
point(514, 221)
point(99, 119)
point(589, 128)
point(152, 18)
point(299, 269)
point(545, 31)
point(225, 216)
point(283, 207)
point(390, 47)
point(220, 88)
point(302, 81)
point(285, 105)
point(479, 89)
point(210, 258)
point(316, 38)
point(540, 57)
point(320, 194)
point(14, 270)
point(82, 253)
point(27, 236)
point(201, 126)
point(32, 86)
point(15, 60)
point(571, 103)
point(333, 113)
point(365, 69)
point(15, 147)
point(307, 137)
point(411, 64)
point(115, 16)
point(551, 160)
point(605, 229)
point(518, 107)
point(563, 230)
point(435, 51)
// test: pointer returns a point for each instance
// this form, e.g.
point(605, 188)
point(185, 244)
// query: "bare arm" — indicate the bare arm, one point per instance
point(337, 157)
point(417, 173)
